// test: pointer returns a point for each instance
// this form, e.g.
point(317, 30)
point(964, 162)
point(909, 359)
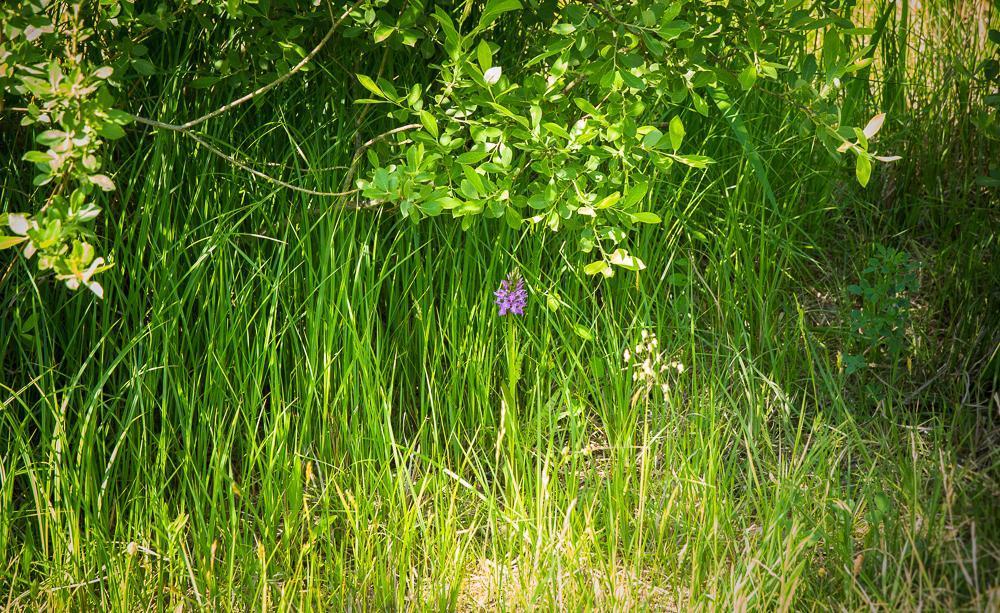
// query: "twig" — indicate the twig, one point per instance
point(185, 128)
point(260, 90)
point(369, 143)
point(266, 177)
point(259, 174)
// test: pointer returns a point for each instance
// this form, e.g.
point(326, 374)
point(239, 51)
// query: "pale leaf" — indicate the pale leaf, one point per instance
point(874, 125)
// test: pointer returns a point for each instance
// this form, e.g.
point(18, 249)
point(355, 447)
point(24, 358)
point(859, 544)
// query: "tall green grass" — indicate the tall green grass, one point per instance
point(284, 404)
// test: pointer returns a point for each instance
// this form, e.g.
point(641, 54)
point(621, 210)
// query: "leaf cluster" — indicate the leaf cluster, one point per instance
point(566, 130)
point(545, 115)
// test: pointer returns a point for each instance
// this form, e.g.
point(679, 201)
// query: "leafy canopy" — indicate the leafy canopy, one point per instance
point(547, 114)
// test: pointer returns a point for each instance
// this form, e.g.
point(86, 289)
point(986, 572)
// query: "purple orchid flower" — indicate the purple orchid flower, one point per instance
point(512, 296)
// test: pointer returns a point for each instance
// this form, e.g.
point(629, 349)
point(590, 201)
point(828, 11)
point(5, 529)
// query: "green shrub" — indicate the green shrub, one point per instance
point(878, 326)
point(563, 131)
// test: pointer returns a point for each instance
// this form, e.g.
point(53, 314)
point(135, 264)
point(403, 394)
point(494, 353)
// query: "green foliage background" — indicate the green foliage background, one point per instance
point(284, 402)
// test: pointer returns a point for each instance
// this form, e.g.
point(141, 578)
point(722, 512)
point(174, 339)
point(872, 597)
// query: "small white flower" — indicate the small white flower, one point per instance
point(627, 355)
point(492, 75)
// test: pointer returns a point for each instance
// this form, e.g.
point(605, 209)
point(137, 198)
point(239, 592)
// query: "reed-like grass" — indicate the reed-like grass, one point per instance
point(283, 404)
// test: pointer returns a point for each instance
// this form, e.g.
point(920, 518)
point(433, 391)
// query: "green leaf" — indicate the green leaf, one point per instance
point(883, 503)
point(863, 170)
point(595, 267)
point(51, 137)
point(694, 161)
point(493, 10)
point(556, 129)
point(631, 80)
point(448, 203)
point(652, 138)
point(635, 194)
point(413, 97)
point(6, 242)
point(748, 76)
point(430, 123)
point(471, 157)
point(539, 201)
point(583, 332)
point(36, 157)
point(512, 217)
point(431, 207)
point(608, 201)
point(676, 133)
point(474, 178)
point(111, 131)
point(410, 36)
point(508, 113)
point(383, 32)
point(586, 107)
point(452, 40)
point(143, 66)
point(119, 117)
point(484, 56)
point(831, 51)
point(699, 104)
point(671, 12)
point(390, 91)
point(204, 82)
point(370, 86)
point(673, 29)
point(645, 217)
point(535, 112)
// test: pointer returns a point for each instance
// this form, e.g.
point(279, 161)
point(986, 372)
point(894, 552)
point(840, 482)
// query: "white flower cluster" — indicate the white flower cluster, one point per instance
point(650, 369)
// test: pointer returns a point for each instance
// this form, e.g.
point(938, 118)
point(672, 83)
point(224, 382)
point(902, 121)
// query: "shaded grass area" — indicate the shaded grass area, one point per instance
point(282, 404)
